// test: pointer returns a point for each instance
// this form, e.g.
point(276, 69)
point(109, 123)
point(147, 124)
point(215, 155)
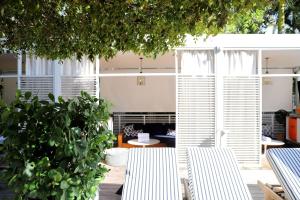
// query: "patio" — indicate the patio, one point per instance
point(204, 104)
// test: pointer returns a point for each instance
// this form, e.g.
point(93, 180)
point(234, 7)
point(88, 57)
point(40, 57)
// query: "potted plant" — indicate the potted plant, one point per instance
point(53, 149)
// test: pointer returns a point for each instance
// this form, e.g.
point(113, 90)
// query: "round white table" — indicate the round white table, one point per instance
point(143, 144)
point(272, 142)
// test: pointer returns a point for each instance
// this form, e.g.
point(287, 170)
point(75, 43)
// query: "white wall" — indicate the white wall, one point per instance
point(9, 89)
point(8, 65)
point(278, 95)
point(129, 63)
point(157, 95)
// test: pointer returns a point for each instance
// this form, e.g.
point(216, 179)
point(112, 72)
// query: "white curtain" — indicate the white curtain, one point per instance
point(239, 62)
point(36, 66)
point(73, 67)
point(197, 62)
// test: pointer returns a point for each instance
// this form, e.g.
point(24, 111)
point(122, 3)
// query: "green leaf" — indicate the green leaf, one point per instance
point(67, 121)
point(55, 175)
point(71, 106)
point(51, 142)
point(45, 162)
point(27, 107)
point(51, 97)
point(18, 94)
point(64, 185)
point(27, 95)
point(29, 168)
point(61, 100)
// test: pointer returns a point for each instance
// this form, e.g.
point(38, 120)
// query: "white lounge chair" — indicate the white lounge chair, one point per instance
point(152, 174)
point(214, 174)
point(285, 163)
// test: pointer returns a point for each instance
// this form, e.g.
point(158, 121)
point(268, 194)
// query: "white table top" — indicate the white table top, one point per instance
point(150, 142)
point(272, 142)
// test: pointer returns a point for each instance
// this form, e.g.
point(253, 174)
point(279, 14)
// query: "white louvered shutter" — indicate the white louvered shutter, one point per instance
point(66, 79)
point(71, 86)
point(242, 117)
point(38, 86)
point(196, 113)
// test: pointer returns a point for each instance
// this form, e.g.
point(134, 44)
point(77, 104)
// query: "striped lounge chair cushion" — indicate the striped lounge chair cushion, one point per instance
point(214, 174)
point(152, 174)
point(285, 163)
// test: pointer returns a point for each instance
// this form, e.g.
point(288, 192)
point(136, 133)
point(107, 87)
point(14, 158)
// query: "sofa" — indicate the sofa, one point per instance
point(156, 130)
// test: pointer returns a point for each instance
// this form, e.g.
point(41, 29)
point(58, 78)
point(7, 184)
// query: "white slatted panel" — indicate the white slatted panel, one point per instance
point(242, 117)
point(38, 86)
point(196, 113)
point(71, 86)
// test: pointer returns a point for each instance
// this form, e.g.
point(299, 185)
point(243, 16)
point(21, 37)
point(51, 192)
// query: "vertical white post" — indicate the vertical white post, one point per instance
point(19, 63)
point(259, 70)
point(176, 96)
point(220, 134)
point(179, 133)
point(97, 60)
point(57, 79)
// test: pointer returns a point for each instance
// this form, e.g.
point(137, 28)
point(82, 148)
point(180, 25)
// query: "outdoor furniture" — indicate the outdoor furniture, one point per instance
point(151, 142)
point(154, 129)
point(285, 163)
point(214, 174)
point(271, 192)
point(271, 142)
point(152, 174)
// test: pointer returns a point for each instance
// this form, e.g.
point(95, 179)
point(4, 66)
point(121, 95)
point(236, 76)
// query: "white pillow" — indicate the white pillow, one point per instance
point(171, 132)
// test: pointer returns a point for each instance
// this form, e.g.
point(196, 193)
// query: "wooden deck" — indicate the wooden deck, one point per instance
point(115, 178)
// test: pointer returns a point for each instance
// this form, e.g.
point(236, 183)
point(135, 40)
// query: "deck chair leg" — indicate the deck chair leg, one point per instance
point(186, 189)
point(269, 194)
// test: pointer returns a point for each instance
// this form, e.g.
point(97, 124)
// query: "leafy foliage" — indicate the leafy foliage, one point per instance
point(249, 21)
point(58, 29)
point(53, 149)
point(292, 16)
point(285, 15)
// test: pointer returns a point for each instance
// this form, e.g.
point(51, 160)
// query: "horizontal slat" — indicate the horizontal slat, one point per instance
point(38, 86)
point(72, 86)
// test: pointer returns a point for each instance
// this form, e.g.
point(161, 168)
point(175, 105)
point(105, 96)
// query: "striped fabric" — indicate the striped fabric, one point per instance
point(152, 174)
point(214, 174)
point(285, 163)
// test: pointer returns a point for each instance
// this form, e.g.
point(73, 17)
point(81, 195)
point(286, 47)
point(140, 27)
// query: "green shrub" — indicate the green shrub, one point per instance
point(53, 150)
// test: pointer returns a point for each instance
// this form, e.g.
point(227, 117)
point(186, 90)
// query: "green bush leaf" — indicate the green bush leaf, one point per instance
point(55, 175)
point(64, 185)
point(54, 149)
point(27, 95)
point(29, 168)
point(51, 97)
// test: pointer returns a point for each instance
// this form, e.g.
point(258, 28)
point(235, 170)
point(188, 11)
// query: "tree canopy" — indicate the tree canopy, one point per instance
point(58, 29)
point(286, 15)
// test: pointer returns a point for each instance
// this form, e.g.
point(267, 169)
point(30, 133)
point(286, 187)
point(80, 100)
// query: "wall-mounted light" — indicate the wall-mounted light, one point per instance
point(267, 80)
point(141, 80)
